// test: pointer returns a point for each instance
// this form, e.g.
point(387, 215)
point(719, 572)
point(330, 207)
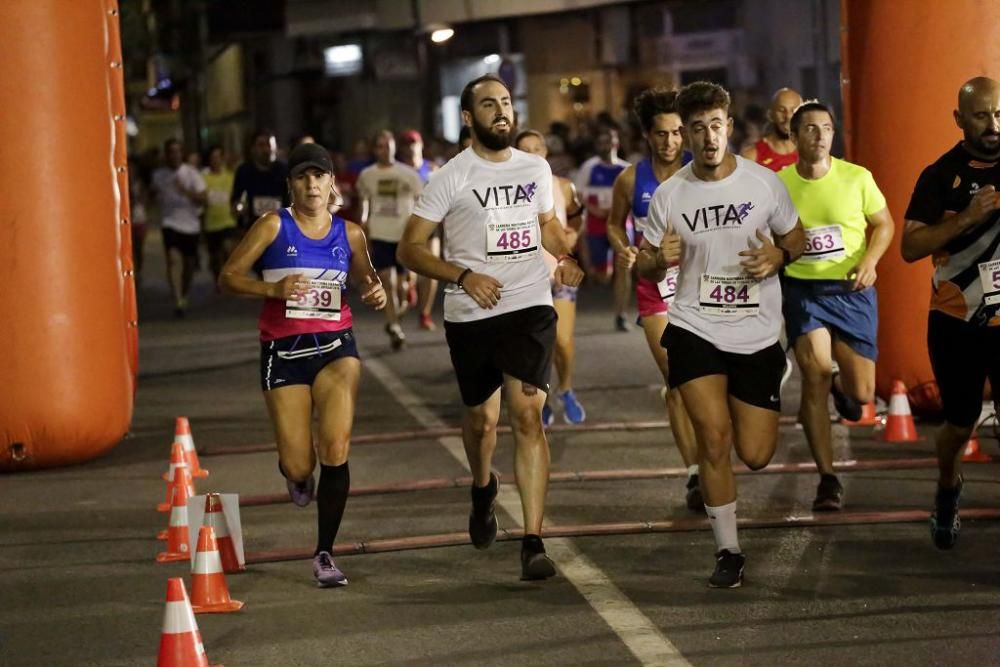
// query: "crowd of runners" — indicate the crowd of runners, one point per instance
point(735, 255)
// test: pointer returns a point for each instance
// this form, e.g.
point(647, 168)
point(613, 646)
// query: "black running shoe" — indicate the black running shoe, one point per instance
point(829, 494)
point(945, 523)
point(728, 570)
point(483, 523)
point(848, 408)
point(535, 563)
point(694, 499)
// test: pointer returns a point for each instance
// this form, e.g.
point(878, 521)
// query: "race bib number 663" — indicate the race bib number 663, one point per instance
point(729, 295)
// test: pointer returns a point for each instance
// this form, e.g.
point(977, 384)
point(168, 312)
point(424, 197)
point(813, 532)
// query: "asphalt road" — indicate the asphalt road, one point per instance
point(79, 584)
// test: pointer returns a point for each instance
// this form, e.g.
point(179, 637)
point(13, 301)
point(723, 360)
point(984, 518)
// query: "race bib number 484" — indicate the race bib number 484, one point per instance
point(320, 302)
point(824, 243)
point(729, 295)
point(511, 241)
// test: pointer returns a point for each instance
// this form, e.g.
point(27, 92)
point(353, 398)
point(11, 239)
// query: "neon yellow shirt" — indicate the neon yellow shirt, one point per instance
point(218, 214)
point(832, 210)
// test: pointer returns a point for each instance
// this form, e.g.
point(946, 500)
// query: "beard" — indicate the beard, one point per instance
point(494, 141)
point(980, 145)
point(782, 134)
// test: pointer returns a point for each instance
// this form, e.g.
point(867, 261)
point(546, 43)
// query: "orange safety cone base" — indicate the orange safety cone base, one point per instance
point(170, 557)
point(973, 454)
point(232, 605)
point(162, 535)
point(163, 508)
point(868, 417)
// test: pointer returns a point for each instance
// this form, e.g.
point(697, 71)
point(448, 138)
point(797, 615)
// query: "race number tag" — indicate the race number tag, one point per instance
point(320, 302)
point(262, 205)
point(668, 286)
point(824, 243)
point(989, 277)
point(728, 295)
point(511, 241)
point(218, 197)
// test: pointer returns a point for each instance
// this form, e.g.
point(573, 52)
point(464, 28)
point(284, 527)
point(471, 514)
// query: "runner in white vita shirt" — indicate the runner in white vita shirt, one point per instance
point(496, 207)
point(731, 225)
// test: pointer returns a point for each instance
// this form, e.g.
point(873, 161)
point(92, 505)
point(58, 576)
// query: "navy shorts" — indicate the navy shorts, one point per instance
point(384, 255)
point(299, 359)
point(851, 316)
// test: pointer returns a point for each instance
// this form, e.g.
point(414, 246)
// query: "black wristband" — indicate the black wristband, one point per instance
point(461, 277)
point(785, 256)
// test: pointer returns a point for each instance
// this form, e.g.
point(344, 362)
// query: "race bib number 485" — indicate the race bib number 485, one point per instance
point(729, 295)
point(511, 241)
point(320, 302)
point(824, 243)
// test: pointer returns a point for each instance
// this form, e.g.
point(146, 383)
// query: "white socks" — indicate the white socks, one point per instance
point(692, 470)
point(723, 519)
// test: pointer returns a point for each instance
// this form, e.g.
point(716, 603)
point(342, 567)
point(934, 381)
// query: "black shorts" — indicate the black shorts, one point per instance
point(384, 255)
point(186, 244)
point(299, 359)
point(963, 355)
point(518, 344)
point(215, 241)
point(753, 378)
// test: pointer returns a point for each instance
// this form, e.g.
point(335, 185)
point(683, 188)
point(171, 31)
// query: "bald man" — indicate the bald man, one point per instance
point(777, 149)
point(953, 216)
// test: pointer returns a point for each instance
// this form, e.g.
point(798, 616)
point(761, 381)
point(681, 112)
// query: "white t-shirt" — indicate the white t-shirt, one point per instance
point(391, 193)
point(715, 299)
point(490, 214)
point(177, 212)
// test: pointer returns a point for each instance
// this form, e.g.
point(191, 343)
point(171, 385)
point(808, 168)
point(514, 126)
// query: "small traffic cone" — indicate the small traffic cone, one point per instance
point(180, 641)
point(176, 478)
point(899, 426)
point(209, 593)
point(182, 481)
point(178, 547)
point(973, 453)
point(868, 416)
point(182, 434)
point(215, 518)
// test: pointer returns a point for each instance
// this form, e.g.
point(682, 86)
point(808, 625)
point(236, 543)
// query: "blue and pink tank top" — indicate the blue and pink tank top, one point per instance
point(292, 252)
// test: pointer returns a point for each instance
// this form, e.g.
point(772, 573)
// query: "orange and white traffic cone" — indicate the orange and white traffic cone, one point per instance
point(209, 593)
point(215, 518)
point(177, 478)
point(972, 452)
point(182, 434)
point(899, 426)
point(180, 641)
point(178, 546)
point(868, 416)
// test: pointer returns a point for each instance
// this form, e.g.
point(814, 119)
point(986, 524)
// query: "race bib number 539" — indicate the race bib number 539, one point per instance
point(729, 295)
point(511, 241)
point(989, 278)
point(320, 302)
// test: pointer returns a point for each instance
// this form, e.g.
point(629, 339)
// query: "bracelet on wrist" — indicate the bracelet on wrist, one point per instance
point(461, 277)
point(567, 256)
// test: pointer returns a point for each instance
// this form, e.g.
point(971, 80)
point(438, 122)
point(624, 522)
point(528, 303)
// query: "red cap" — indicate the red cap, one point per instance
point(411, 137)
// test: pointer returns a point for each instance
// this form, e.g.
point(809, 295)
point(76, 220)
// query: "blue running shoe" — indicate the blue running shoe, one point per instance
point(573, 412)
point(945, 523)
point(547, 416)
point(326, 572)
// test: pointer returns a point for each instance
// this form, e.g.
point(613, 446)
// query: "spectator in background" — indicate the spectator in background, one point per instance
point(219, 223)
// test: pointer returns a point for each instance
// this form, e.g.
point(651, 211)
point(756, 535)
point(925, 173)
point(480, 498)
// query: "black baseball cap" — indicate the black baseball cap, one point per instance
point(305, 156)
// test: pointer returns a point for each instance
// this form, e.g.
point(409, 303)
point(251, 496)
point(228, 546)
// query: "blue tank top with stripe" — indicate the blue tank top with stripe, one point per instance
point(645, 185)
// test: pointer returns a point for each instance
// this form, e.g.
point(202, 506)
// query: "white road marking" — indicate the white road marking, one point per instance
point(639, 634)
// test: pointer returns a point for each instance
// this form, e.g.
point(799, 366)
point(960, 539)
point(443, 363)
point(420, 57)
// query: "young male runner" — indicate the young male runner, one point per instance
point(731, 226)
point(496, 207)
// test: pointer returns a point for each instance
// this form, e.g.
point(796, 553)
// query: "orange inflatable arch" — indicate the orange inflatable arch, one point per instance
point(69, 356)
point(903, 63)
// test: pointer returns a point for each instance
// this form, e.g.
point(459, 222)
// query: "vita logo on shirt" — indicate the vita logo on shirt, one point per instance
point(505, 195)
point(719, 215)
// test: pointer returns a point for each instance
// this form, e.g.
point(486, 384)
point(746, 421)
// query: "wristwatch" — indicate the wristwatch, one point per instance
point(785, 256)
